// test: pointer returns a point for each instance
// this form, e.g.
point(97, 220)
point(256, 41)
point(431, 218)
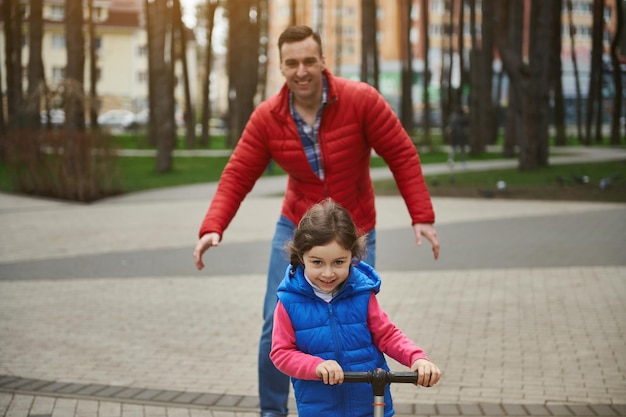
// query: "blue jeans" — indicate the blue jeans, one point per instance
point(273, 384)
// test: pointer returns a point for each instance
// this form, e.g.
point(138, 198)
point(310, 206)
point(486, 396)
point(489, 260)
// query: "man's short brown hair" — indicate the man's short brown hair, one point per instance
point(297, 34)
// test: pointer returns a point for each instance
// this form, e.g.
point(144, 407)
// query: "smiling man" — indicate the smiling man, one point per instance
point(321, 130)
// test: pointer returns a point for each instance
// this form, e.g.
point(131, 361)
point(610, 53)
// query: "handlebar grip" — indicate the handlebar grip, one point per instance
point(357, 377)
point(403, 377)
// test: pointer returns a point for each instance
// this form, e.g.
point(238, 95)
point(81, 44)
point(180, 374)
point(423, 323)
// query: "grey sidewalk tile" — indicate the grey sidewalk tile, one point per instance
point(581, 410)
point(559, 410)
point(36, 385)
point(167, 396)
point(603, 410)
point(5, 379)
point(109, 391)
point(470, 409)
point(148, 394)
point(228, 400)
point(91, 389)
point(514, 410)
point(129, 393)
point(71, 388)
point(18, 383)
point(620, 408)
point(448, 410)
point(402, 408)
point(537, 410)
point(54, 387)
point(187, 398)
point(207, 399)
point(491, 409)
point(425, 409)
point(249, 401)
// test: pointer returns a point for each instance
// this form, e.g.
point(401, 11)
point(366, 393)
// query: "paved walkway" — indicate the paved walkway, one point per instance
point(102, 313)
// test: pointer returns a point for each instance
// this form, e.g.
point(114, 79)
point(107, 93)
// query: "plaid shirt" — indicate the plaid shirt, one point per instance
point(308, 134)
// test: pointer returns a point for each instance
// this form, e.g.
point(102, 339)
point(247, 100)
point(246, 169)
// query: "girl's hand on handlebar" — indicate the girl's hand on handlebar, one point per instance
point(428, 374)
point(330, 372)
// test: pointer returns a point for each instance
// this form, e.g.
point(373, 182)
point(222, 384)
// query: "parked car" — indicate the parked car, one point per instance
point(116, 119)
point(57, 117)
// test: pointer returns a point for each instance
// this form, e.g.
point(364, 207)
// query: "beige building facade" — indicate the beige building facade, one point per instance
point(121, 49)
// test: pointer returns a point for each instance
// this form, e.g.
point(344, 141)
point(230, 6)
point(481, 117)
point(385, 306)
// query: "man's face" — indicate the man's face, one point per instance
point(301, 64)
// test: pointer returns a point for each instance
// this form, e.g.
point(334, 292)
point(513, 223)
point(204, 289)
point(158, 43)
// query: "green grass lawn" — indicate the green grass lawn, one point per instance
point(138, 173)
point(580, 182)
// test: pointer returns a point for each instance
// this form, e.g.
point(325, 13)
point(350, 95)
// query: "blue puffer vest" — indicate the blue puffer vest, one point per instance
point(336, 330)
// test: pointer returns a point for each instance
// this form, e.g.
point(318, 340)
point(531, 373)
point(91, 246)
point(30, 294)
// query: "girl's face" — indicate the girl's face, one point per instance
point(327, 266)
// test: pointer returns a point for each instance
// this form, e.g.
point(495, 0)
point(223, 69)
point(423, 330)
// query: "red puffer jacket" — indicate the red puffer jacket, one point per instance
point(355, 120)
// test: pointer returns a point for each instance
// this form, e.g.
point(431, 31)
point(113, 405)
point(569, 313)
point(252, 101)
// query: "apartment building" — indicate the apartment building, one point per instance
point(339, 23)
point(121, 49)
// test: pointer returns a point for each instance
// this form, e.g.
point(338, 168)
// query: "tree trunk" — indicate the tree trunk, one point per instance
point(189, 113)
point(74, 92)
point(369, 45)
point(406, 108)
point(162, 88)
point(509, 40)
point(426, 76)
point(205, 139)
point(616, 134)
point(339, 36)
point(534, 149)
point(572, 37)
point(93, 70)
point(36, 81)
point(556, 73)
point(243, 65)
point(13, 52)
point(461, 53)
point(483, 123)
point(595, 79)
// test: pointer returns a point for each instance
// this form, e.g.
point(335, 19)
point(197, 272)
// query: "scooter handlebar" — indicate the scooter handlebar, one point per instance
point(379, 377)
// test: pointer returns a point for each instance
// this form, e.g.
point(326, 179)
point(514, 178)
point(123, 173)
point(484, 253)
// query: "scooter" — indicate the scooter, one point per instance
point(379, 378)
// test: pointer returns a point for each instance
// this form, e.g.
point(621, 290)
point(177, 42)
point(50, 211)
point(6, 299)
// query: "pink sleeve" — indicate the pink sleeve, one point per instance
point(287, 358)
point(389, 339)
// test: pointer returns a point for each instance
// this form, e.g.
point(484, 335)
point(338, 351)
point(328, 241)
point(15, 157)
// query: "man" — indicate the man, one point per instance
point(321, 130)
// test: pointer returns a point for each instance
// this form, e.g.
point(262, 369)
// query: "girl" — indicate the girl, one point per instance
point(328, 319)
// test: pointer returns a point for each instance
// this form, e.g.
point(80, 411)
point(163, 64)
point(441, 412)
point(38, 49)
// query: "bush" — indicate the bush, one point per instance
point(77, 166)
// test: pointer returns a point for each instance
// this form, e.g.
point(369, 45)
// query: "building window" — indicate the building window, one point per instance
point(57, 12)
point(58, 73)
point(142, 50)
point(58, 41)
point(142, 77)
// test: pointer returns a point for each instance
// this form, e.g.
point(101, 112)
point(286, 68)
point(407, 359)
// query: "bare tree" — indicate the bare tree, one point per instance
point(180, 34)
point(13, 54)
point(594, 95)
point(406, 107)
point(572, 37)
point(617, 75)
point(482, 118)
point(93, 68)
point(73, 88)
point(510, 32)
point(160, 64)
point(339, 36)
point(243, 64)
point(533, 82)
point(36, 81)
point(369, 44)
point(210, 8)
point(556, 73)
point(424, 36)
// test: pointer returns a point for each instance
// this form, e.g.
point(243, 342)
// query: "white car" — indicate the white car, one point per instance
point(116, 119)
